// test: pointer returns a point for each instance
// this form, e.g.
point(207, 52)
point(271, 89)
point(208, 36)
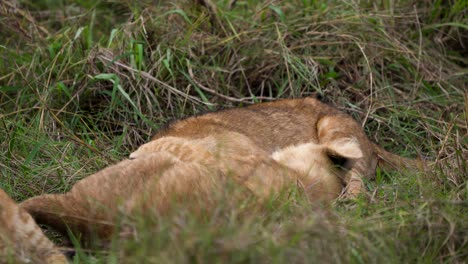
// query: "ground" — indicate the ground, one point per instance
point(83, 83)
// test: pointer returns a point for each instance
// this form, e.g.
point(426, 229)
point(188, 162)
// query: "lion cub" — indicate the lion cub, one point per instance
point(191, 171)
point(283, 123)
point(264, 148)
point(312, 165)
point(21, 240)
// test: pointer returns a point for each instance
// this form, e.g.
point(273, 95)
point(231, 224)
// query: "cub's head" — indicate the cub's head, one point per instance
point(321, 167)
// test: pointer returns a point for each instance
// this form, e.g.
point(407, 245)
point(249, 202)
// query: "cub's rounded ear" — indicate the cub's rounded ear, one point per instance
point(344, 147)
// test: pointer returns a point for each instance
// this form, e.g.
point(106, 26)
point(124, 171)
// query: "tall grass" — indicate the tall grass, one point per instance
point(83, 83)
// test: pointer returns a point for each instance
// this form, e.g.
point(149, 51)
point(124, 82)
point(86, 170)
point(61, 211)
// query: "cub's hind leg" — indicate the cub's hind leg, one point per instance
point(93, 203)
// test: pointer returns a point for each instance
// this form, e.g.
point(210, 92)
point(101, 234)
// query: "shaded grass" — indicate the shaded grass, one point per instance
point(108, 75)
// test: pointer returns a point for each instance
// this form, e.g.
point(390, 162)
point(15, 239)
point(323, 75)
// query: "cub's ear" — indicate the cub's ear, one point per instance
point(344, 147)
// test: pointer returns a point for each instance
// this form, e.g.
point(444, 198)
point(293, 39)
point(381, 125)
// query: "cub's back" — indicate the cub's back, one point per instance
point(270, 125)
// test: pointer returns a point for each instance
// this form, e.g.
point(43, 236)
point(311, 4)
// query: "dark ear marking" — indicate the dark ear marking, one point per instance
point(337, 160)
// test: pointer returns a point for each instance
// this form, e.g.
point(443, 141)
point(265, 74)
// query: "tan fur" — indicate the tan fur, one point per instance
point(234, 154)
point(317, 174)
point(276, 125)
point(21, 240)
point(176, 169)
point(264, 148)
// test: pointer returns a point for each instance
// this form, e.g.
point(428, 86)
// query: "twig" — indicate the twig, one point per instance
point(371, 84)
point(154, 79)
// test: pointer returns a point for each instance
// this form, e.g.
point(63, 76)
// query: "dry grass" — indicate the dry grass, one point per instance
point(83, 83)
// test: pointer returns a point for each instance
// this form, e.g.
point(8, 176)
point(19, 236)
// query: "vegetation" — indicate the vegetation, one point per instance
point(83, 83)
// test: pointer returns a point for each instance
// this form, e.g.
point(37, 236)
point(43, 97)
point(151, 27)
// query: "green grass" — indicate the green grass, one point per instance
point(83, 83)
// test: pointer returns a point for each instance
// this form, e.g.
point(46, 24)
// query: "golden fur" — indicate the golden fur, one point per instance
point(21, 240)
point(264, 148)
point(277, 125)
point(173, 168)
